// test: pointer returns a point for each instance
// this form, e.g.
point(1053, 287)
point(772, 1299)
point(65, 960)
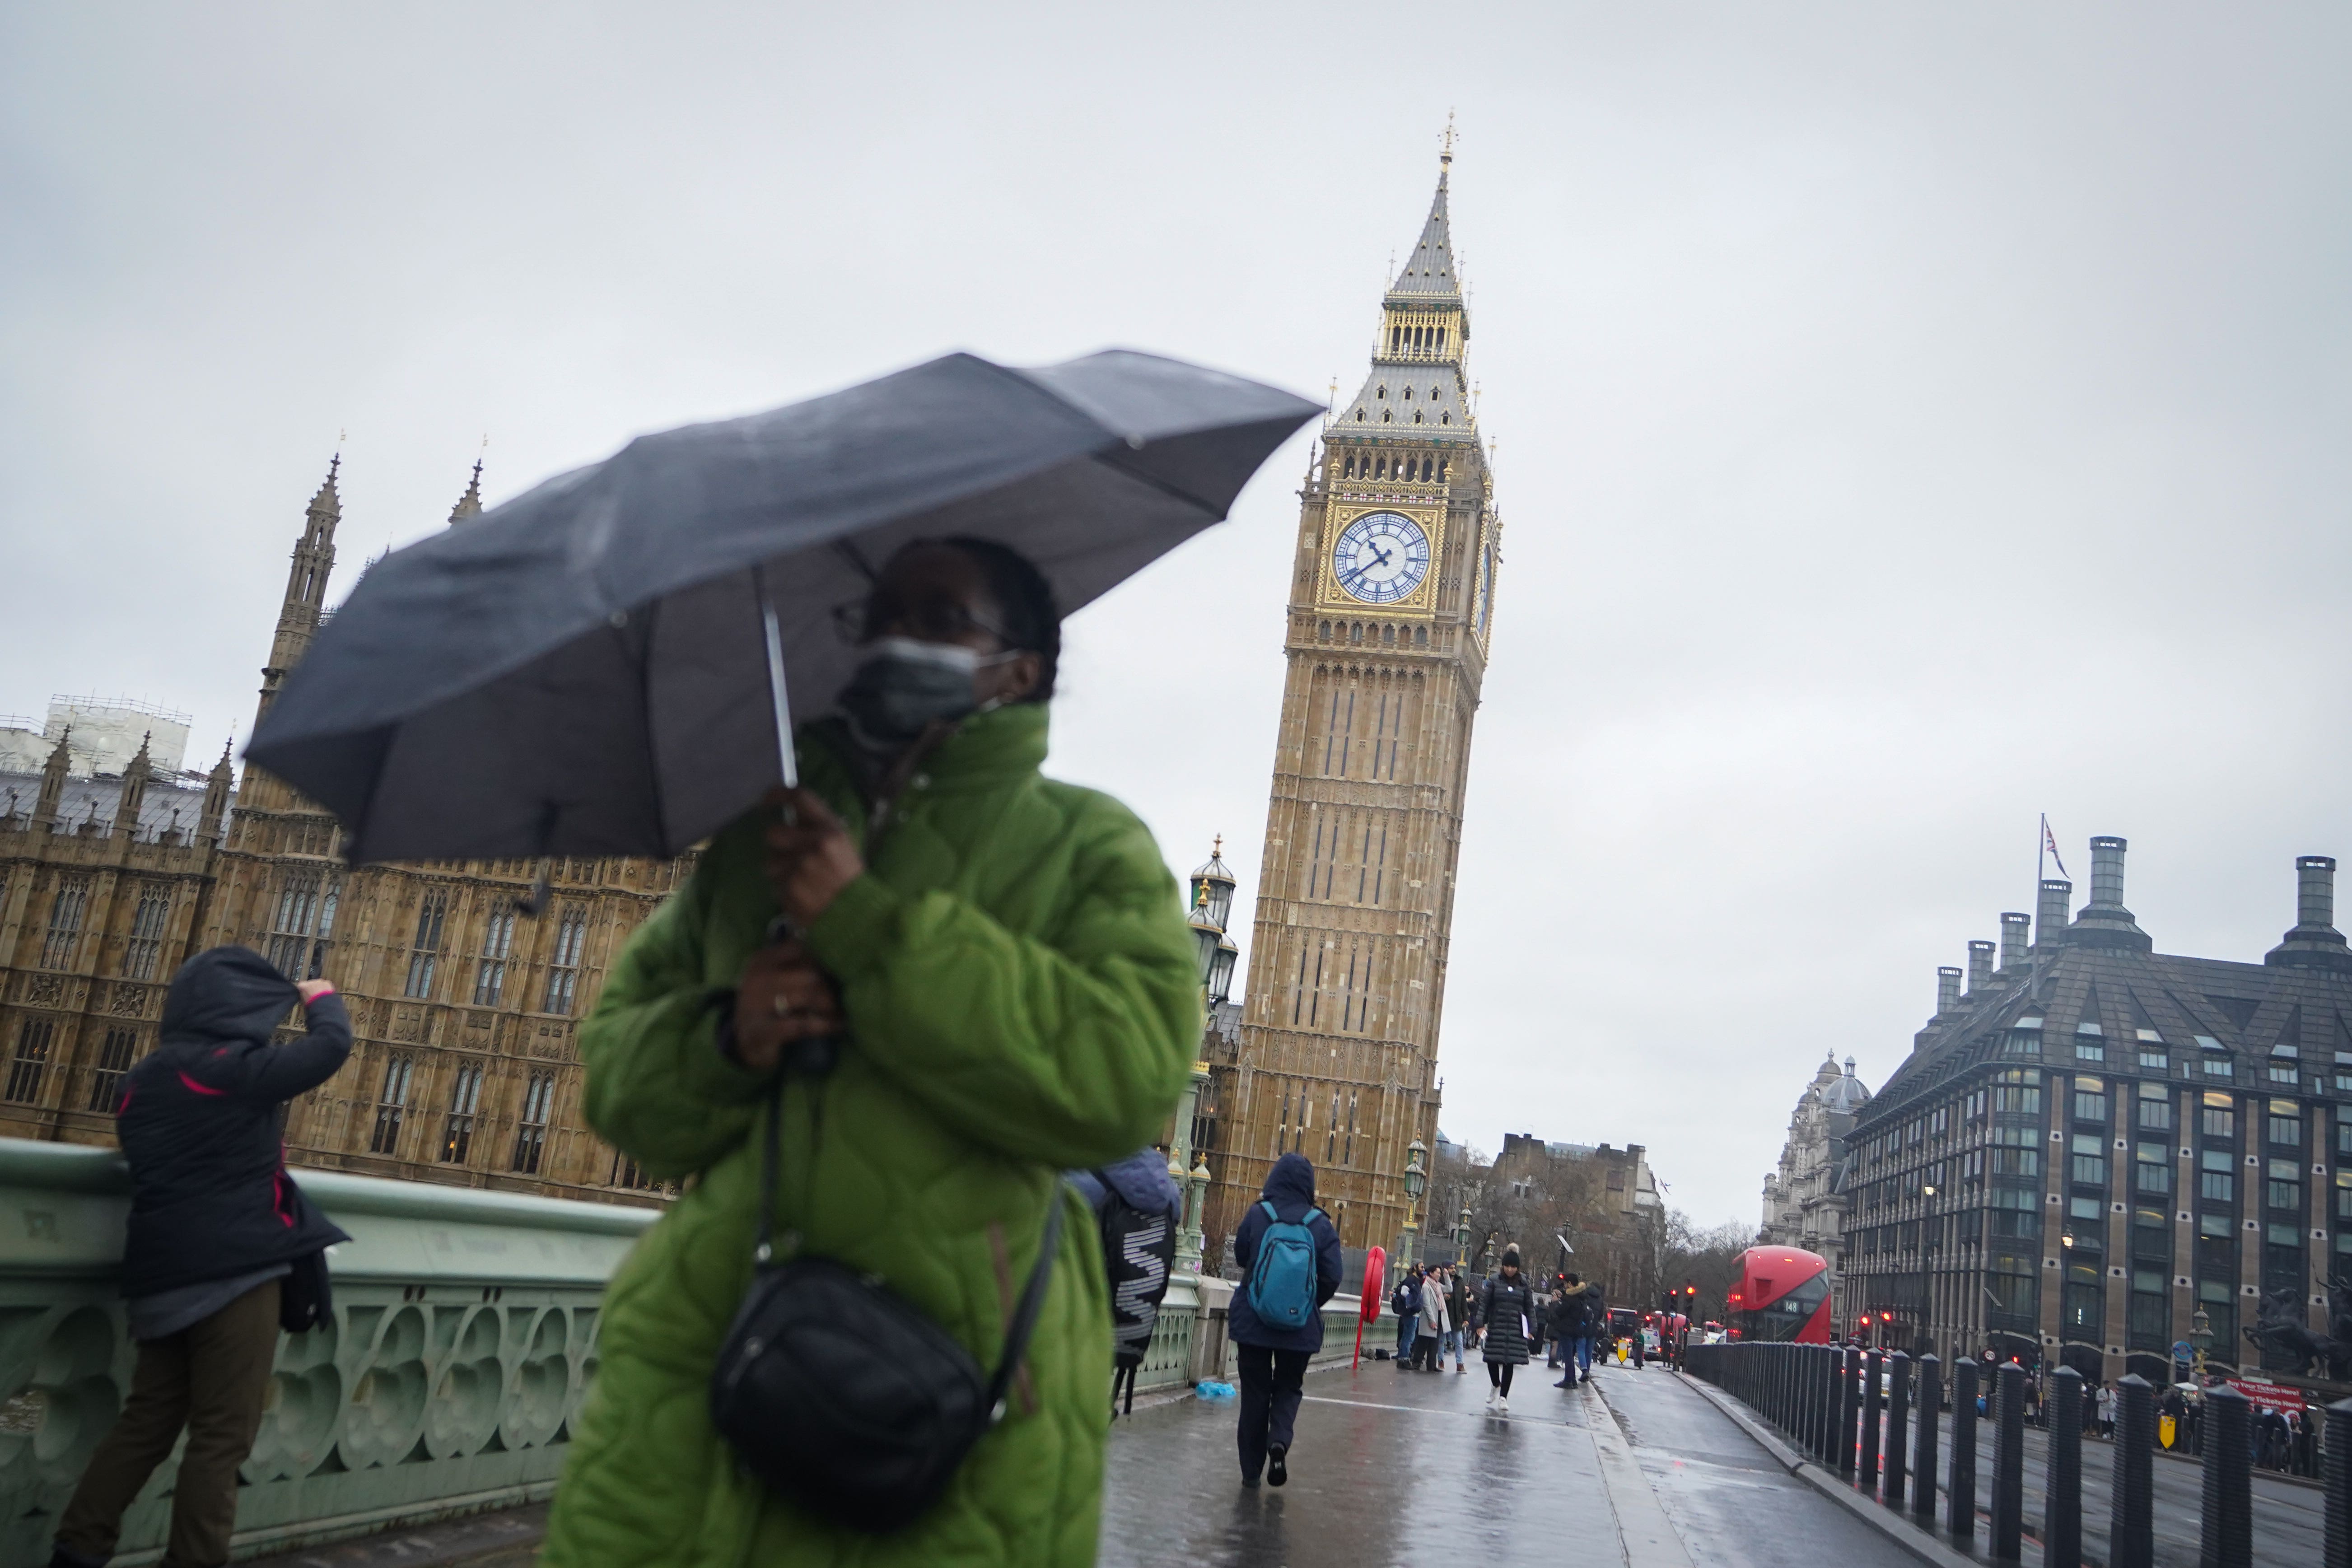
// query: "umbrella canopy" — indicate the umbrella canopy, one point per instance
point(585, 669)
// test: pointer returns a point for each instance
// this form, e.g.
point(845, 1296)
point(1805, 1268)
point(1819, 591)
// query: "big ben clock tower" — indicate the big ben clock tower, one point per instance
point(1391, 601)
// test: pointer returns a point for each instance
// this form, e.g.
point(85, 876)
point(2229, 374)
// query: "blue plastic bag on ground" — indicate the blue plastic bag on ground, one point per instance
point(1210, 1388)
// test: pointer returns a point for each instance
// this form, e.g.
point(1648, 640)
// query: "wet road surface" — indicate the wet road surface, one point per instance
point(1390, 1466)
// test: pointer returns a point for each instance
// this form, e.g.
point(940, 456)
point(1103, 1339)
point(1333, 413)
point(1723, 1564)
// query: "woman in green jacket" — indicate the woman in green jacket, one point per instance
point(1007, 963)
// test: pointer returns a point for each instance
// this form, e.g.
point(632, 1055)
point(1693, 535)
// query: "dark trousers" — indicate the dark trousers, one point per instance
point(1427, 1347)
point(211, 1379)
point(1272, 1384)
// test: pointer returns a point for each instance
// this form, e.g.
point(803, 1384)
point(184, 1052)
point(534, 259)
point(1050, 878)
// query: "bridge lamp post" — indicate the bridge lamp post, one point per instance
point(1415, 1179)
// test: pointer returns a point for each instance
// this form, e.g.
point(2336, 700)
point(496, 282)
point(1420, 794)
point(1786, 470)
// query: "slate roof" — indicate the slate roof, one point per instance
point(1438, 406)
point(81, 797)
point(1429, 276)
point(2298, 1002)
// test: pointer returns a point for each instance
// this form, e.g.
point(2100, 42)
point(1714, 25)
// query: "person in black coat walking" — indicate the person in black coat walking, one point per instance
point(1505, 1307)
point(217, 1228)
point(1273, 1357)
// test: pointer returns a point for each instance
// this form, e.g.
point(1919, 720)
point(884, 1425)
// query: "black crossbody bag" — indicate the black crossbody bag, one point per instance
point(842, 1396)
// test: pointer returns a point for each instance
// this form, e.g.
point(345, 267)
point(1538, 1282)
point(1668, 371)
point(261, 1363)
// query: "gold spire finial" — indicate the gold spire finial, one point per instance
point(1445, 147)
point(1217, 848)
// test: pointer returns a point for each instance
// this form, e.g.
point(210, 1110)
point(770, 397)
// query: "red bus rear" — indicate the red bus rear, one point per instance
point(1783, 1295)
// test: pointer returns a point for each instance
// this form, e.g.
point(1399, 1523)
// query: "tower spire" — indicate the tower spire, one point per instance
point(470, 503)
point(306, 584)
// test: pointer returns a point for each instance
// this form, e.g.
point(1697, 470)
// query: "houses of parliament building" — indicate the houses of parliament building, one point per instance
point(463, 1007)
point(1391, 598)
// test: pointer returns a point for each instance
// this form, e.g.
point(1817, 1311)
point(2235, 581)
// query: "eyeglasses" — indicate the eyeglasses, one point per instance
point(939, 618)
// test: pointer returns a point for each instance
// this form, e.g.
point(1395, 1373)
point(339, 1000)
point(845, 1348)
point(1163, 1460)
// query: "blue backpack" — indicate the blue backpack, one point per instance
point(1282, 1277)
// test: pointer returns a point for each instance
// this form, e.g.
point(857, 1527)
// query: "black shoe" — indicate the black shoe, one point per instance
point(1250, 1482)
point(1278, 1465)
point(1569, 1383)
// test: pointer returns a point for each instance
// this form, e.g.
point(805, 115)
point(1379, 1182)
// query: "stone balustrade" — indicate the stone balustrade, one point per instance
point(1189, 1343)
point(464, 1338)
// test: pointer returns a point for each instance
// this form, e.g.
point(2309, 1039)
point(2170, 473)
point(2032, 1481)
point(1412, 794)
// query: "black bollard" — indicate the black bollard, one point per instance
point(1898, 1423)
point(2061, 1475)
point(1874, 1410)
point(1923, 1457)
point(2336, 1479)
point(1849, 1407)
point(1961, 1490)
point(1821, 1389)
point(2227, 1538)
point(2131, 1518)
point(2007, 1463)
point(1833, 1376)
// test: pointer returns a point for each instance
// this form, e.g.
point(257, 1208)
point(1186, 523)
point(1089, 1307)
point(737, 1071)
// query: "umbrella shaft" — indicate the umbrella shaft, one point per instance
point(786, 762)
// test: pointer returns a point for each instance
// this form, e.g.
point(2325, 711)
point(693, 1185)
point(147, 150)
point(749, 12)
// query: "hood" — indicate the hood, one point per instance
point(1142, 1179)
point(1292, 1181)
point(228, 994)
point(1583, 1289)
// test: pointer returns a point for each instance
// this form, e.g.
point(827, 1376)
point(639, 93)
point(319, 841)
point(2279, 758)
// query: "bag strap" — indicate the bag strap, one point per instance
point(1024, 1316)
point(1033, 1294)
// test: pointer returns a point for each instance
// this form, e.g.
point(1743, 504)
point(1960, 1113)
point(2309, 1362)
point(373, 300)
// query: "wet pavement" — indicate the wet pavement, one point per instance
point(1390, 1467)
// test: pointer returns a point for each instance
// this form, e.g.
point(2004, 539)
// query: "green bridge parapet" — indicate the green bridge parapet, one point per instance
point(464, 1339)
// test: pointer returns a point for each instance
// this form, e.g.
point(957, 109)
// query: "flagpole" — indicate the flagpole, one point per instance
point(2040, 839)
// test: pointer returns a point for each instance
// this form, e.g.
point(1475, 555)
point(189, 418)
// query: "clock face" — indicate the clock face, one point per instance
point(1382, 557)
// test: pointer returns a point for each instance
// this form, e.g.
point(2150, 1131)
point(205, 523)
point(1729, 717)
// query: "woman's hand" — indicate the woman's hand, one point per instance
point(809, 859)
point(782, 997)
point(312, 990)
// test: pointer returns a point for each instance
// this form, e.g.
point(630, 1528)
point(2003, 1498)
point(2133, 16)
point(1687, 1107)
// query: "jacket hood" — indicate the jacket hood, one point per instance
point(1583, 1289)
point(1292, 1181)
point(1142, 1179)
point(228, 994)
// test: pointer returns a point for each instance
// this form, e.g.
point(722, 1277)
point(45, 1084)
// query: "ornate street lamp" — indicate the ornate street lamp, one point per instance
point(1213, 903)
point(1462, 1236)
point(1415, 1178)
point(2200, 1334)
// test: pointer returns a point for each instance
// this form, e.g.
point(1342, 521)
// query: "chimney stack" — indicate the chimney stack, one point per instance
point(2057, 900)
point(2107, 871)
point(2315, 943)
point(2016, 936)
point(1979, 966)
point(1948, 989)
point(2103, 922)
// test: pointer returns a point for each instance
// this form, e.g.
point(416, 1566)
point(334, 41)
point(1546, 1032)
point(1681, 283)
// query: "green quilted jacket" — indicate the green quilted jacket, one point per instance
point(1022, 999)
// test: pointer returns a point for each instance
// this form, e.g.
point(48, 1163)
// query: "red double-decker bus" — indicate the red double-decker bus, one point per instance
point(1783, 1295)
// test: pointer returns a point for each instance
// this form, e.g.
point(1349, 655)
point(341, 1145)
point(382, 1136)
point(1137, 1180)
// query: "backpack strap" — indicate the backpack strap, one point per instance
point(1268, 1205)
point(1311, 1216)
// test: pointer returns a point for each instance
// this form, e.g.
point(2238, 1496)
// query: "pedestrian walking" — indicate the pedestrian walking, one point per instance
point(1552, 1324)
point(1435, 1323)
point(987, 980)
point(1405, 1302)
point(1571, 1314)
point(1505, 1307)
point(217, 1235)
point(1272, 1247)
point(1457, 1306)
point(2106, 1409)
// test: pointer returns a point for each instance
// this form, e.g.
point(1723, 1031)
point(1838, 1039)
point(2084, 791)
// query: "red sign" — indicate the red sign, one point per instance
point(1376, 1261)
point(2268, 1397)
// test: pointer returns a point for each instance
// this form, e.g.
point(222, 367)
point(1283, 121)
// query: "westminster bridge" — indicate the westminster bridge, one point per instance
point(427, 1425)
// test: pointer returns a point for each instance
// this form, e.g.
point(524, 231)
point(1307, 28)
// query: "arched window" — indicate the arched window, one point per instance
point(1442, 466)
point(1381, 390)
point(1408, 395)
point(1385, 415)
point(1323, 632)
point(1417, 418)
point(1420, 637)
point(1444, 418)
point(1388, 637)
point(1356, 632)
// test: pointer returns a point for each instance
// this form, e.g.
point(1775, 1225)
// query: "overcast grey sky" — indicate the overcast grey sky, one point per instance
point(1912, 419)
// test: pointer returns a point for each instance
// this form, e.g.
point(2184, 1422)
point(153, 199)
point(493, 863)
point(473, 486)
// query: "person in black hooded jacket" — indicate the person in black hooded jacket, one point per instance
point(216, 1226)
point(1273, 1358)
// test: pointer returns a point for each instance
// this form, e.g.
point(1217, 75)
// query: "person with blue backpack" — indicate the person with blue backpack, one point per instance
point(1290, 1266)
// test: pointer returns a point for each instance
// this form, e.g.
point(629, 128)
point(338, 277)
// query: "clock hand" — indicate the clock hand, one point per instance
point(1381, 554)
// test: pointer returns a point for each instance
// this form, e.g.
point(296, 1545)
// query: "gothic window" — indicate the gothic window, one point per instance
point(66, 910)
point(31, 1063)
point(563, 967)
point(530, 1125)
point(1385, 416)
point(1382, 391)
point(114, 1058)
point(1408, 395)
point(1298, 988)
point(392, 1104)
point(1339, 721)
point(625, 1174)
point(497, 942)
point(1350, 1155)
point(1305, 1116)
point(140, 954)
point(1282, 1127)
point(425, 952)
point(1323, 632)
point(1416, 415)
point(465, 1096)
point(1315, 996)
point(301, 922)
point(1388, 637)
point(1419, 640)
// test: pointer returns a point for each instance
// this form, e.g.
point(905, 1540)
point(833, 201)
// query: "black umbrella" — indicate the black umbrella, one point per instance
point(600, 666)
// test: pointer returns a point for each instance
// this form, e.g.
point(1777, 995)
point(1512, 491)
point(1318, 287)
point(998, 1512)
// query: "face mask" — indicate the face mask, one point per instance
point(904, 685)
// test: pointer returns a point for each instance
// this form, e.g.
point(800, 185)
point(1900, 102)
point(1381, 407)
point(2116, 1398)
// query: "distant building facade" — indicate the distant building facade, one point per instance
point(2092, 1143)
point(465, 1069)
point(1804, 1200)
point(1603, 1201)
